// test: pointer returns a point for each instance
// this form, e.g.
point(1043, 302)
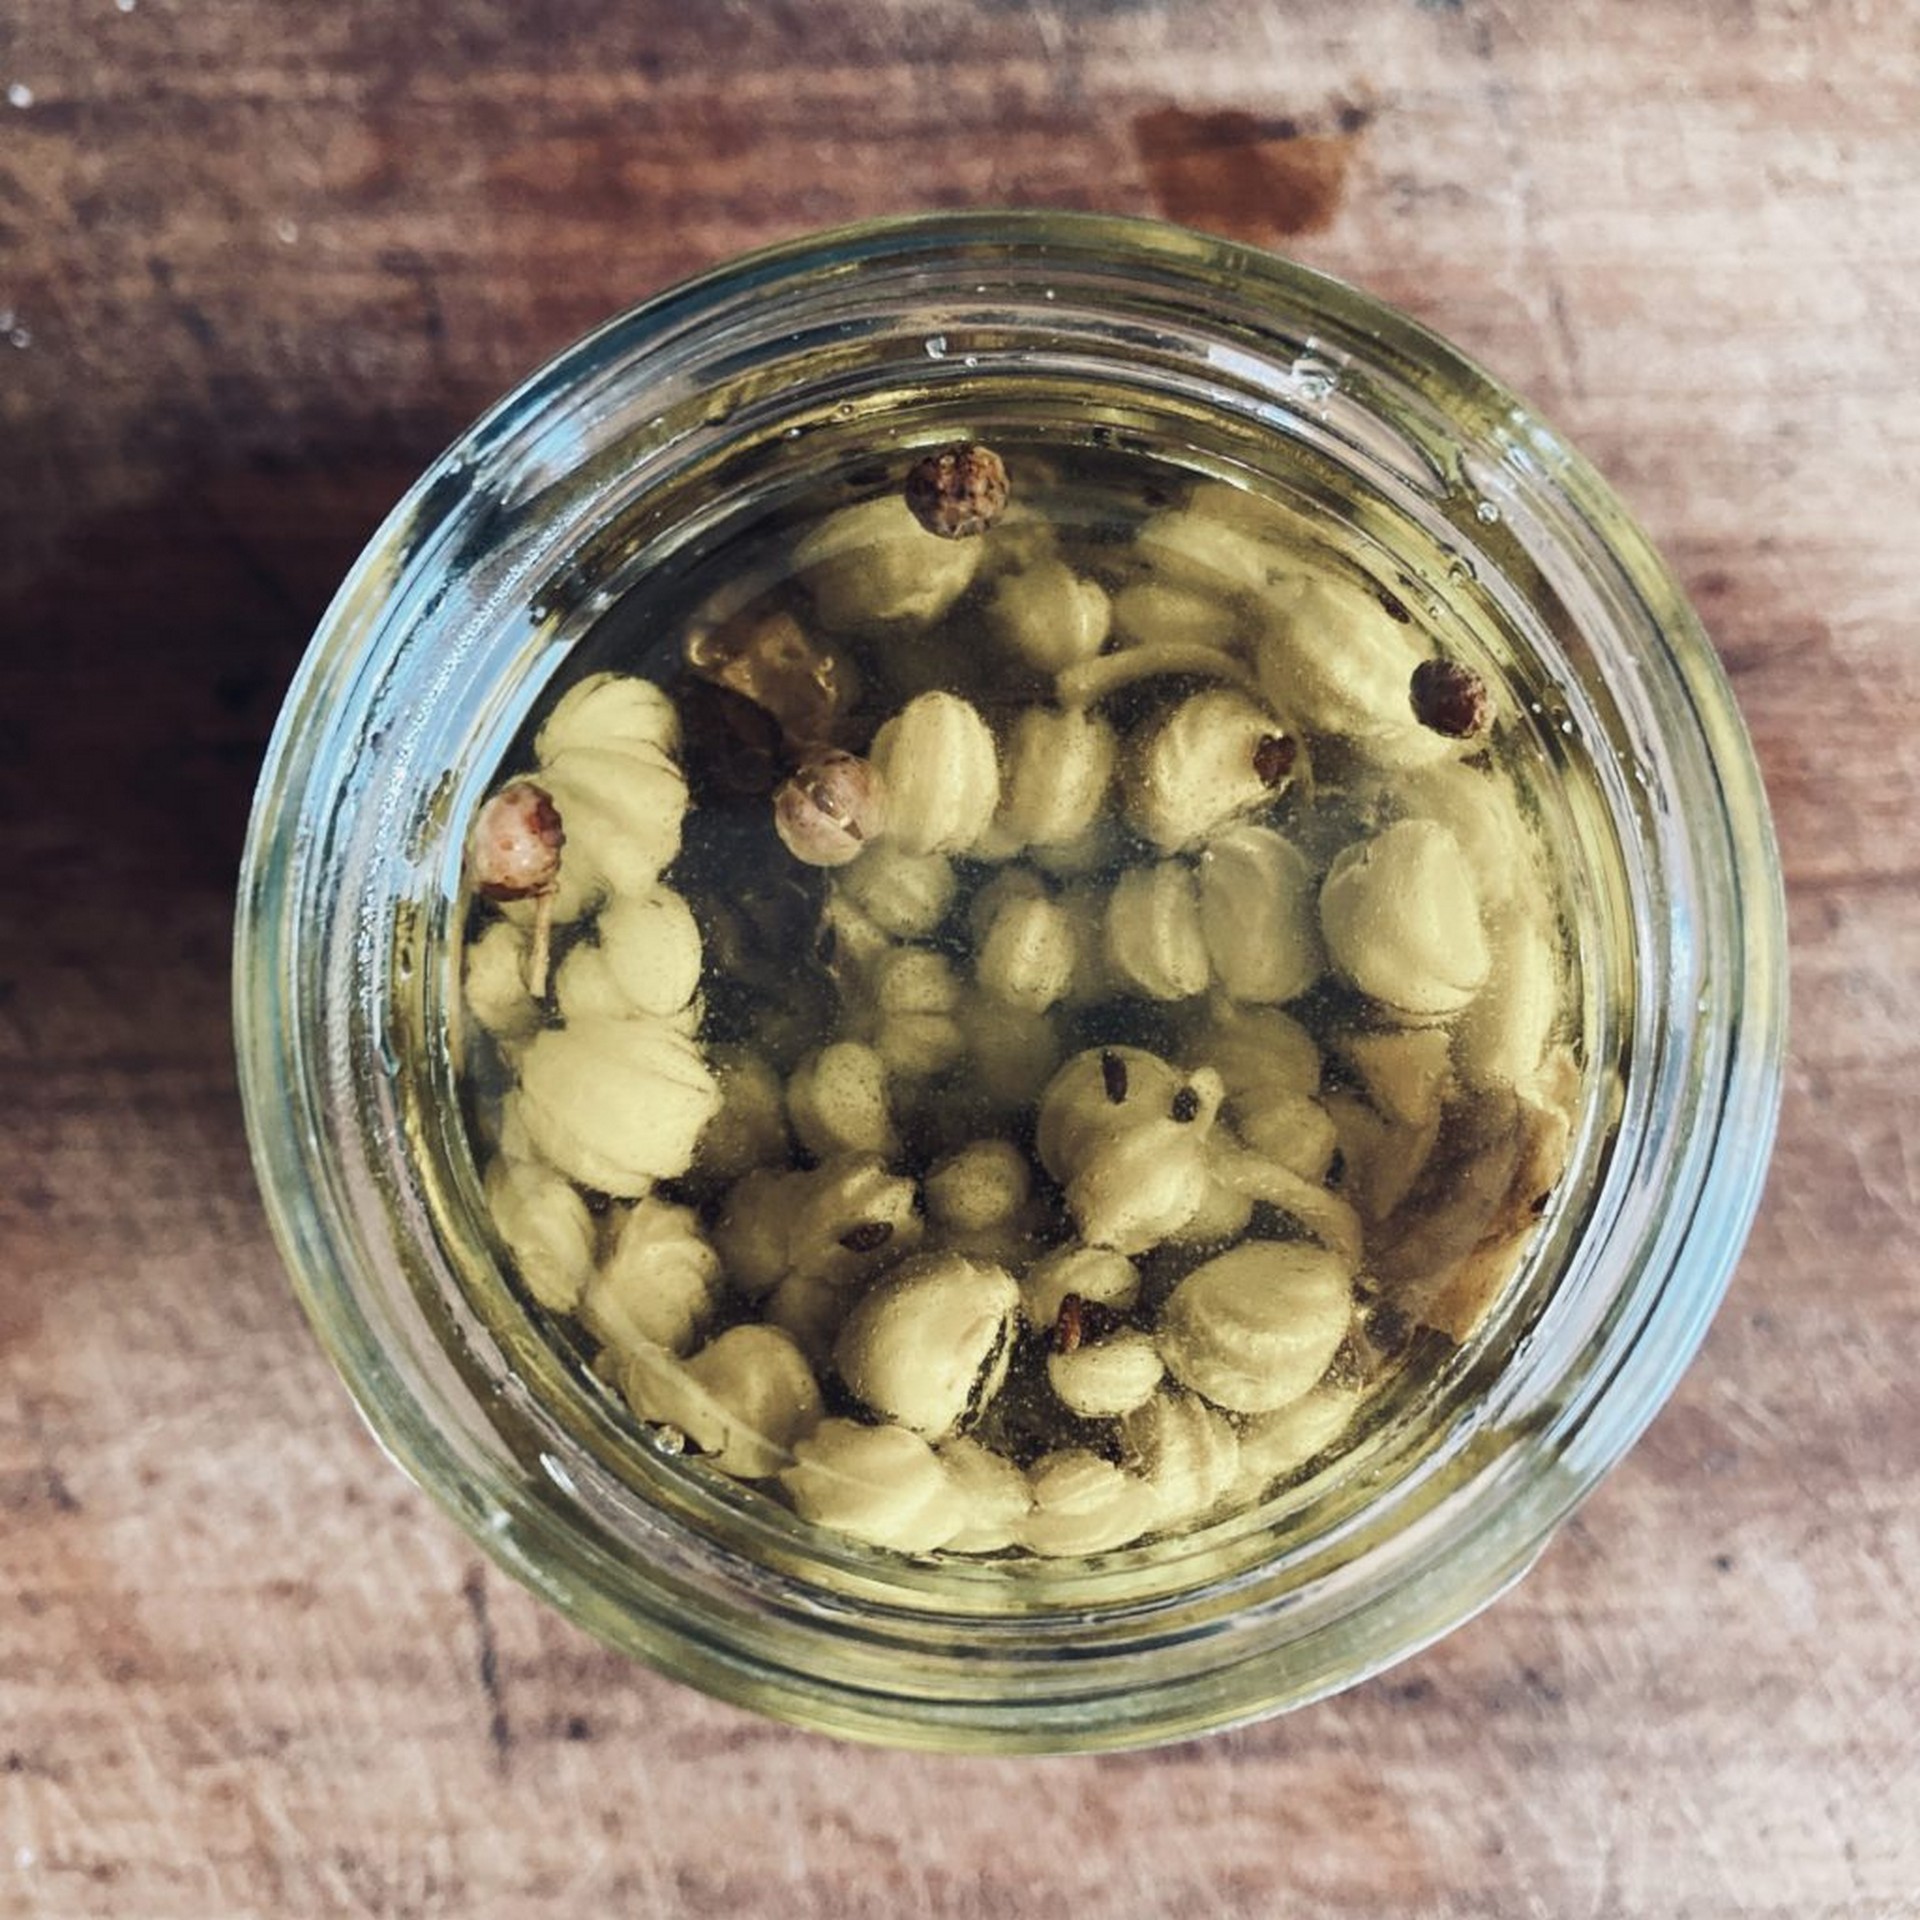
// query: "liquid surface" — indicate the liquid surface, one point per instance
point(1030, 1035)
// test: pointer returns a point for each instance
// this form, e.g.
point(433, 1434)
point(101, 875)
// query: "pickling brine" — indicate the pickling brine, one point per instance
point(1016, 1000)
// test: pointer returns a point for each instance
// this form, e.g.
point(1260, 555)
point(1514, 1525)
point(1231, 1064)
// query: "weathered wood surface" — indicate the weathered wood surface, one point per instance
point(257, 263)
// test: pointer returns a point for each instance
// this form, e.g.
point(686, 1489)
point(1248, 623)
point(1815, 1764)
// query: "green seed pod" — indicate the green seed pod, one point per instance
point(1154, 942)
point(1083, 1504)
point(928, 1347)
point(611, 712)
point(1256, 1327)
point(1258, 915)
point(1058, 766)
point(1187, 1454)
point(743, 1402)
point(993, 1493)
point(881, 1485)
point(1101, 1378)
point(616, 1104)
point(871, 568)
point(936, 758)
point(546, 1229)
point(657, 1285)
point(1048, 615)
point(1401, 917)
point(1215, 756)
point(837, 1102)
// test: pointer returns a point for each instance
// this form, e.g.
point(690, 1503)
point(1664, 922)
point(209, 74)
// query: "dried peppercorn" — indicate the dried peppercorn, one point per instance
point(1450, 698)
point(958, 490)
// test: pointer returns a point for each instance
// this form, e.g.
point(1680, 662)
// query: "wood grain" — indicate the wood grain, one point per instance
point(256, 264)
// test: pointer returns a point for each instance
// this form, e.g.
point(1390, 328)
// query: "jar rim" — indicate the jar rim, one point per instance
point(344, 745)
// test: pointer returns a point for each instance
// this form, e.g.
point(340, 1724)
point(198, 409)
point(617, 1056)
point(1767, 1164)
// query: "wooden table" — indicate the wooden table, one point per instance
point(257, 263)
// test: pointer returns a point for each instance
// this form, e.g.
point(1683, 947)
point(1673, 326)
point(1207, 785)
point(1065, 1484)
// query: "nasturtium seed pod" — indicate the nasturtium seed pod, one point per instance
point(1401, 916)
point(1212, 552)
point(1011, 1051)
point(837, 1102)
point(915, 980)
point(917, 1046)
point(1257, 1048)
point(936, 758)
point(810, 1311)
point(1276, 1444)
point(1056, 771)
point(904, 894)
point(1101, 1092)
point(647, 946)
point(753, 1234)
point(1155, 612)
point(546, 1229)
point(1258, 915)
point(1480, 811)
point(993, 1493)
point(928, 1347)
point(1502, 1039)
point(881, 1485)
point(870, 568)
point(1029, 954)
point(1187, 1453)
point(1048, 615)
point(623, 813)
point(494, 983)
point(1154, 939)
point(1215, 756)
point(616, 1104)
point(1288, 1129)
point(1101, 1378)
point(1091, 1274)
point(1083, 1504)
point(750, 1128)
point(613, 712)
point(657, 1284)
point(983, 1184)
point(851, 1218)
point(1256, 1327)
point(1141, 1187)
point(742, 1401)
point(1406, 1072)
point(1332, 656)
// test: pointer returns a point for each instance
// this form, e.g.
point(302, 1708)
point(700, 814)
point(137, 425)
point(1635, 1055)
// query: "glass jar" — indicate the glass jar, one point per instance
point(647, 436)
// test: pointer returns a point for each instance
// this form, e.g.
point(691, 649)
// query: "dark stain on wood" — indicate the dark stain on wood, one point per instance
point(473, 1589)
point(1252, 176)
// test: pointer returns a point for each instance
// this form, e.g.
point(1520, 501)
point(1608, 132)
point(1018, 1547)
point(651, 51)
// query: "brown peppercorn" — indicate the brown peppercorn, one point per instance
point(1186, 1105)
point(958, 490)
point(514, 849)
point(1450, 698)
point(1067, 1327)
point(831, 807)
point(1081, 1320)
point(1273, 758)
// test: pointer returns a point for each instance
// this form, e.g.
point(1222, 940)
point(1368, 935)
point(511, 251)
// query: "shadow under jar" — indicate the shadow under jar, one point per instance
point(664, 478)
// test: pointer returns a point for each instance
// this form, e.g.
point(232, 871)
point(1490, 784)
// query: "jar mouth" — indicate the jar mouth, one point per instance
point(438, 645)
